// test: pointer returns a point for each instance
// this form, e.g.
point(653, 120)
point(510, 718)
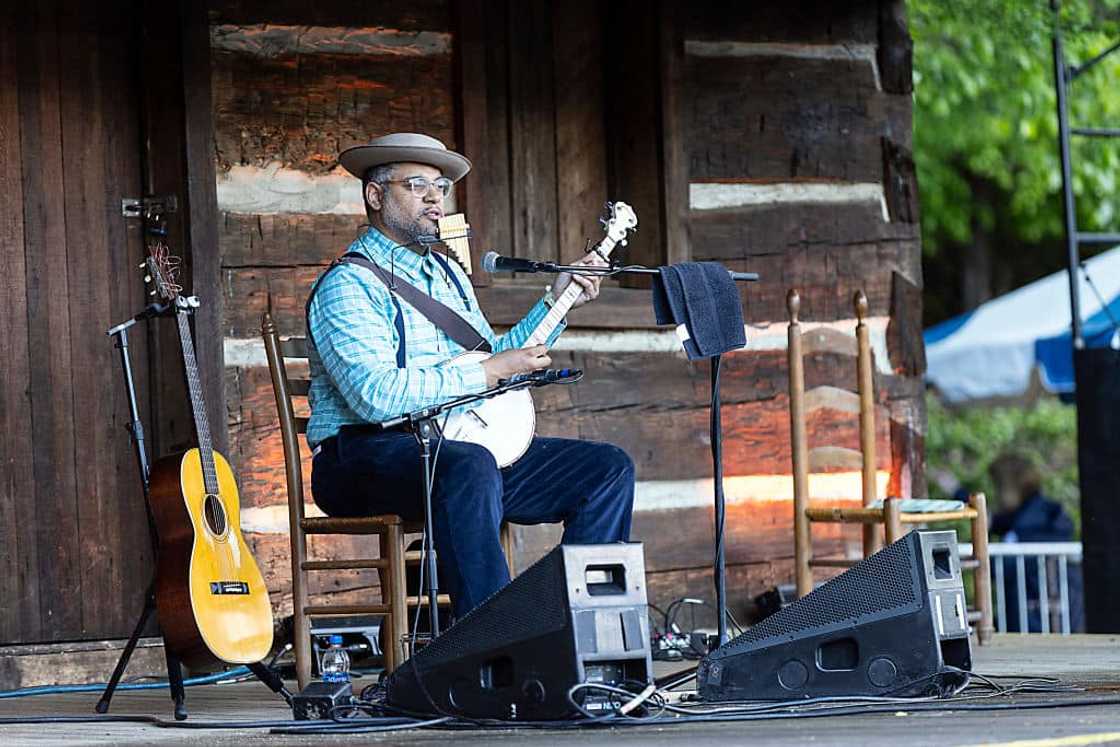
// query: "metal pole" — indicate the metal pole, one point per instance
point(1063, 589)
point(1001, 607)
point(1061, 81)
point(720, 570)
point(424, 436)
point(1043, 594)
point(136, 425)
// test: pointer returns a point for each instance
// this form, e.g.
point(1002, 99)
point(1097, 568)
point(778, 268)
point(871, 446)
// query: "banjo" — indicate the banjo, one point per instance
point(505, 424)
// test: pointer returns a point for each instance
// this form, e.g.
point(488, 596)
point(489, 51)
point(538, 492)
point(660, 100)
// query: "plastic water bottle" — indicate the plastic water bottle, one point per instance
point(335, 664)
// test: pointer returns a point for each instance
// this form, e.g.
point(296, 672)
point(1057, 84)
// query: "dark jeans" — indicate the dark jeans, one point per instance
point(588, 486)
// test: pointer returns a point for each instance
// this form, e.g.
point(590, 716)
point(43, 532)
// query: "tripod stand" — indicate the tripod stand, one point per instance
point(136, 429)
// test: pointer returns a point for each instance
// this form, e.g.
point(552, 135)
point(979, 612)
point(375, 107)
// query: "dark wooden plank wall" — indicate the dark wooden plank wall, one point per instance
point(76, 557)
point(553, 132)
point(20, 556)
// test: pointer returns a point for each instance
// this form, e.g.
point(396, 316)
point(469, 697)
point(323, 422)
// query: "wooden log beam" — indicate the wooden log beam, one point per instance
point(418, 15)
point(803, 22)
point(318, 104)
point(789, 109)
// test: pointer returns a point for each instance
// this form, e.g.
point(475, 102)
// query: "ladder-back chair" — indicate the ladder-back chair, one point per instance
point(892, 513)
point(390, 530)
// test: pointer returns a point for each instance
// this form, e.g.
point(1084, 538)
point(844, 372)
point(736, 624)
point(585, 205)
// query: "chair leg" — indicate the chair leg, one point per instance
point(301, 625)
point(385, 579)
point(398, 605)
point(865, 375)
point(802, 550)
point(983, 575)
point(892, 520)
point(799, 451)
point(507, 546)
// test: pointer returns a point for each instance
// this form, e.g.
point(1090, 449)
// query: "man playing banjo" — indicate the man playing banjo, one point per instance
point(373, 356)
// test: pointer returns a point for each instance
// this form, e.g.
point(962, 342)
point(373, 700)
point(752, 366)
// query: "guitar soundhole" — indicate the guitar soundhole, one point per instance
point(215, 514)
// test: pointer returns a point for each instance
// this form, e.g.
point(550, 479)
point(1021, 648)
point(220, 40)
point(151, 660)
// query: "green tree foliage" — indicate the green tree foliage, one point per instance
point(985, 121)
point(964, 442)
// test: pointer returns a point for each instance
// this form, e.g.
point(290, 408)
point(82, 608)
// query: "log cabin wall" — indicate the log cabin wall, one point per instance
point(775, 141)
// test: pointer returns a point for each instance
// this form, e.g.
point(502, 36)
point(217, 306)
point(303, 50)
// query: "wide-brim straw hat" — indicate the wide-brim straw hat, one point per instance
point(404, 147)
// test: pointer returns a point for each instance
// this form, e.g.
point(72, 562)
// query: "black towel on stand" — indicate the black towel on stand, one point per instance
point(703, 297)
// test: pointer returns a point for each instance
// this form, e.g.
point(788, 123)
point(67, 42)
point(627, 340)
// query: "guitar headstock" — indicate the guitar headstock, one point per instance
point(619, 221)
point(162, 273)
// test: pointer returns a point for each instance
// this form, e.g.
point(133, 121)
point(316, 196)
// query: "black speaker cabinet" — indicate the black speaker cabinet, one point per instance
point(577, 615)
point(1098, 454)
point(893, 624)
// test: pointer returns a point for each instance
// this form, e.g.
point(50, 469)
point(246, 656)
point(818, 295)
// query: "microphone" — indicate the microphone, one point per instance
point(547, 376)
point(493, 262)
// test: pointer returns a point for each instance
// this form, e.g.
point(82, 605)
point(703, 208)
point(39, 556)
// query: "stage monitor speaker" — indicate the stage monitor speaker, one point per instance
point(577, 615)
point(893, 624)
point(1098, 454)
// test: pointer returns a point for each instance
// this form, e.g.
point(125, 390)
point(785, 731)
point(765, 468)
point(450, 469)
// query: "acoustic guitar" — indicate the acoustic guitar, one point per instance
point(210, 595)
point(505, 424)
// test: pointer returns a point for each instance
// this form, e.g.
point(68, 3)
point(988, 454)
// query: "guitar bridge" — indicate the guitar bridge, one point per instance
point(229, 587)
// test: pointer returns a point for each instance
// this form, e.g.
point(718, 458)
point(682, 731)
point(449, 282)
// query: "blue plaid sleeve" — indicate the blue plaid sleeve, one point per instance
point(519, 333)
point(516, 336)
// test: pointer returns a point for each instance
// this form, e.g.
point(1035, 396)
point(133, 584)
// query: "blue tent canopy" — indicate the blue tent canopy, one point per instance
point(994, 350)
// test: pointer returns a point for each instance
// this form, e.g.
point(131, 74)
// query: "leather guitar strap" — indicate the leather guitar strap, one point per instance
point(453, 325)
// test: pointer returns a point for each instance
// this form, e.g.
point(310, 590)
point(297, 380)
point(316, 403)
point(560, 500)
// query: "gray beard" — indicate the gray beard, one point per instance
point(409, 229)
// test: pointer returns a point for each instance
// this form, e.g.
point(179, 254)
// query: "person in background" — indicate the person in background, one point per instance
point(1025, 514)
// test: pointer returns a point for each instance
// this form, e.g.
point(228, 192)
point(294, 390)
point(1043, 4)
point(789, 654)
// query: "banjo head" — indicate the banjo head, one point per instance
point(504, 425)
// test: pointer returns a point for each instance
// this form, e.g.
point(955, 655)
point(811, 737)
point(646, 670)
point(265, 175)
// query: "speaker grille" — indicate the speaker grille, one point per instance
point(535, 604)
point(883, 585)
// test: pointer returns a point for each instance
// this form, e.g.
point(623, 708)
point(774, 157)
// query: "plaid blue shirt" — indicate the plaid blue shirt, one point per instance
point(354, 340)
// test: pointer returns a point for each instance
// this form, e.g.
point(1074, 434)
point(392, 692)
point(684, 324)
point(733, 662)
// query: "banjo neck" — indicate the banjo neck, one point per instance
point(564, 303)
point(504, 424)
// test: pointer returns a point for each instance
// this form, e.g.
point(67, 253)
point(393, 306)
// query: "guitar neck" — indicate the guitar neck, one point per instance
point(198, 405)
point(563, 304)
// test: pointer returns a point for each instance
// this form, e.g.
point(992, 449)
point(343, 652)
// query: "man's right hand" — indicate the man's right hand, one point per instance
point(510, 363)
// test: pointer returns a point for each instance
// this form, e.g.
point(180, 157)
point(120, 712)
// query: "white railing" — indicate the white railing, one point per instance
point(1052, 559)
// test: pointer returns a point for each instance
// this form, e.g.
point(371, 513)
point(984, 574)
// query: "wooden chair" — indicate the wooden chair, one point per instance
point(892, 513)
point(391, 531)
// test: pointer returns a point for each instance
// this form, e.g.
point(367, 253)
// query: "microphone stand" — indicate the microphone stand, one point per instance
point(719, 569)
point(424, 425)
point(613, 270)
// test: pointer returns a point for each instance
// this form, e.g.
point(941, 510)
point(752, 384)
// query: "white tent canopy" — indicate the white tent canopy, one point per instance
point(994, 350)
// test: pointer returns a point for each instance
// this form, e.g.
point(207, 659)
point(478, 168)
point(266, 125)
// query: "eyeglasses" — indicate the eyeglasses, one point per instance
point(421, 184)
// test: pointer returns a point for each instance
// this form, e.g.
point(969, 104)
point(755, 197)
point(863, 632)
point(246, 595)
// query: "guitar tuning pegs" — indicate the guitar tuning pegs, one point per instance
point(603, 222)
point(147, 278)
point(141, 265)
point(151, 293)
point(624, 242)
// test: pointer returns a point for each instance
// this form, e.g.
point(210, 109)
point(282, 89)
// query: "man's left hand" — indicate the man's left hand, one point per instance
point(589, 284)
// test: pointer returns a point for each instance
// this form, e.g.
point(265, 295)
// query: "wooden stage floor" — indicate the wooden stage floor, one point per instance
point(1091, 662)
